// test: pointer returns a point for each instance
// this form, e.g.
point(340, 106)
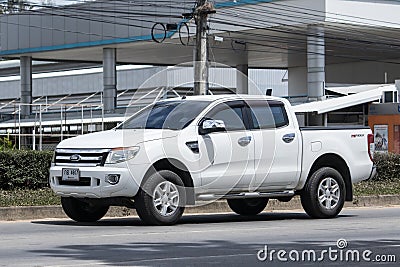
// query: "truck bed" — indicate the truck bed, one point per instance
point(322, 128)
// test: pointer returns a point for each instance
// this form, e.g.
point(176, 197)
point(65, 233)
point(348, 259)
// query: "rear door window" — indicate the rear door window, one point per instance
point(268, 114)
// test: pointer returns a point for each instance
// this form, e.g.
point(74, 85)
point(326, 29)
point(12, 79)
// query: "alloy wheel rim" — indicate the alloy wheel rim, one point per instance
point(329, 193)
point(166, 198)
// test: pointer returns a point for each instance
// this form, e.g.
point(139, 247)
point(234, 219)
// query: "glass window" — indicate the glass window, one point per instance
point(232, 117)
point(268, 115)
point(173, 115)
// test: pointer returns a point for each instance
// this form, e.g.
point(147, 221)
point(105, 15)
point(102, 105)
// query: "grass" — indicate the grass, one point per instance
point(373, 188)
point(45, 196)
point(26, 197)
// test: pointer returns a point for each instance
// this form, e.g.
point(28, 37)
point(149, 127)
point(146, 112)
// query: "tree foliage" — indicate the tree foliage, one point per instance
point(14, 6)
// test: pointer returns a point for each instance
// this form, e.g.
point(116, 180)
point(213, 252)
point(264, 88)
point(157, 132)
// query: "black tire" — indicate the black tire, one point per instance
point(144, 200)
point(248, 206)
point(82, 211)
point(310, 195)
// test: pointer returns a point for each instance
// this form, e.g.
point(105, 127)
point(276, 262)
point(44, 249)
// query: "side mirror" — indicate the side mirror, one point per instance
point(210, 126)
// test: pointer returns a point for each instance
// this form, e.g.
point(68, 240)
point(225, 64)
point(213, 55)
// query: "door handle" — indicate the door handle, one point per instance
point(244, 141)
point(288, 138)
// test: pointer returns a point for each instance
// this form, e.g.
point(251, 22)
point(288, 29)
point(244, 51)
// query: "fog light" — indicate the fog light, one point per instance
point(112, 178)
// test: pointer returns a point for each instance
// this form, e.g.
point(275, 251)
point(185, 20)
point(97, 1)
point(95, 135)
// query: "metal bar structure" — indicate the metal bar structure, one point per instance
point(61, 129)
point(35, 132)
point(33, 139)
point(91, 117)
point(82, 120)
point(40, 128)
point(102, 112)
point(19, 127)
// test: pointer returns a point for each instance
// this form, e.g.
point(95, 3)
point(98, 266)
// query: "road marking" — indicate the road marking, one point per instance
point(180, 231)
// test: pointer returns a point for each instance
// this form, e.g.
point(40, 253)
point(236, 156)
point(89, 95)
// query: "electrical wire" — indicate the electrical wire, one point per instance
point(336, 38)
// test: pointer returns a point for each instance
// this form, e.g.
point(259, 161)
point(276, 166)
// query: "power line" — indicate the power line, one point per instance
point(106, 17)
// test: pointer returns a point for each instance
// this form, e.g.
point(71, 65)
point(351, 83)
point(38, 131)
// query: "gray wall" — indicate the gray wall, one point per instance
point(345, 73)
point(82, 23)
point(74, 84)
point(65, 83)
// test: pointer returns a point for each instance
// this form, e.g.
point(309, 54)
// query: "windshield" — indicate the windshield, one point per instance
point(173, 115)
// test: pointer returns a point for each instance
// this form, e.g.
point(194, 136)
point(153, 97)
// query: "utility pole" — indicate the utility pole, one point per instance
point(201, 57)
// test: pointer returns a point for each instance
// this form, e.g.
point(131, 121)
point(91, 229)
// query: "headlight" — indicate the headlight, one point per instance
point(121, 154)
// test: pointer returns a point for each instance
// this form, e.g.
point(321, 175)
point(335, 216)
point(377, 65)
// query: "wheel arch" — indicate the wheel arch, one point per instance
point(180, 169)
point(338, 163)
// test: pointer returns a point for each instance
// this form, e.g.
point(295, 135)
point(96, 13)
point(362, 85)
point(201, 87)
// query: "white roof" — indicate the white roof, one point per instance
point(355, 89)
point(71, 72)
point(345, 101)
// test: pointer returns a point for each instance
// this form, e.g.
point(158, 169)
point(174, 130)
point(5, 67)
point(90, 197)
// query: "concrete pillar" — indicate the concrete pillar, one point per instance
point(315, 62)
point(26, 85)
point(242, 79)
point(397, 84)
point(109, 79)
point(316, 70)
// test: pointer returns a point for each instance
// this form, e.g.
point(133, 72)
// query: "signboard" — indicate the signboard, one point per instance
point(381, 138)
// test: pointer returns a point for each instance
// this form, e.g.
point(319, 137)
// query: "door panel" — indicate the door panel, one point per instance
point(225, 163)
point(276, 146)
point(227, 158)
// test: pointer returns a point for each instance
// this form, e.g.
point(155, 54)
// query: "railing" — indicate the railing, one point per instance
point(64, 120)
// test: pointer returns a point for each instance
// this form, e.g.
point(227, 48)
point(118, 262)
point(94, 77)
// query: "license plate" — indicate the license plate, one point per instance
point(70, 175)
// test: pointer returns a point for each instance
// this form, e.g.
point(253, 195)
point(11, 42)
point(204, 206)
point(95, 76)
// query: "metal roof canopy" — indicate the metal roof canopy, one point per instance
point(353, 89)
point(58, 35)
point(332, 104)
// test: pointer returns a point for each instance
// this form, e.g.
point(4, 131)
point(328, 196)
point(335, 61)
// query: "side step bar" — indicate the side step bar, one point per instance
point(207, 197)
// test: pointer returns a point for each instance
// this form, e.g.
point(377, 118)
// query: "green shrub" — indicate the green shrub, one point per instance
point(387, 166)
point(24, 169)
point(6, 143)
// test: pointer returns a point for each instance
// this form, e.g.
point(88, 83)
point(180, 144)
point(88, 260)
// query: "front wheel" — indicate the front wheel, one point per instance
point(161, 199)
point(324, 194)
point(82, 211)
point(248, 206)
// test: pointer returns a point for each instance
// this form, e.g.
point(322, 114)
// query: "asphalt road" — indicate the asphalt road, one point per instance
point(206, 240)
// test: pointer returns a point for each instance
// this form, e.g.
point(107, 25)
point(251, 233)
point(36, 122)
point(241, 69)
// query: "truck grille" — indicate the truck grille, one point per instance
point(83, 181)
point(80, 157)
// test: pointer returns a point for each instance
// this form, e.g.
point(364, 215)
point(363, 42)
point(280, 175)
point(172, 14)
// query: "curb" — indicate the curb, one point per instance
point(43, 212)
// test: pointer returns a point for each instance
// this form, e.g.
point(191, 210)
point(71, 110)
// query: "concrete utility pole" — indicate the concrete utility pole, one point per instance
point(201, 65)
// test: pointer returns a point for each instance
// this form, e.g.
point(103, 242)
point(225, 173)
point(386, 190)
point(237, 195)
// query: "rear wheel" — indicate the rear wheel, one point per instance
point(161, 198)
point(324, 194)
point(248, 206)
point(82, 211)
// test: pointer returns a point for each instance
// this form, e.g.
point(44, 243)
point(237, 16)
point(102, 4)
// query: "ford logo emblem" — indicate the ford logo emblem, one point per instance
point(75, 157)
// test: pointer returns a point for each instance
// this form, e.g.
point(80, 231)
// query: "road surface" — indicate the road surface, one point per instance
point(208, 240)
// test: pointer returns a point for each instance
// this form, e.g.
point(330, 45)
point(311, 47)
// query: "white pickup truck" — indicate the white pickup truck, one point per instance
point(176, 152)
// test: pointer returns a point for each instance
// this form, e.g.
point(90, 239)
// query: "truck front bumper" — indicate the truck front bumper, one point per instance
point(92, 183)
